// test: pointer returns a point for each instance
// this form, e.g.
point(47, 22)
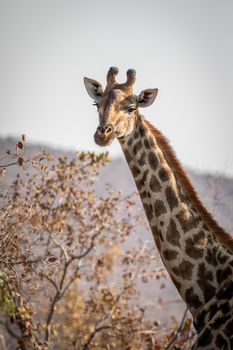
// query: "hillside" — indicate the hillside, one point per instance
point(216, 191)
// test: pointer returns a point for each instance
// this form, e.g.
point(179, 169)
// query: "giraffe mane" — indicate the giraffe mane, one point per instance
point(180, 174)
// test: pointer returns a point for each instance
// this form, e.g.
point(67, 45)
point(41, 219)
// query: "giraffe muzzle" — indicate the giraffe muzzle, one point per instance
point(104, 135)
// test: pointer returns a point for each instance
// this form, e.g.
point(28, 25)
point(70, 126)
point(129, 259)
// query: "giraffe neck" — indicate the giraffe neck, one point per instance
point(195, 260)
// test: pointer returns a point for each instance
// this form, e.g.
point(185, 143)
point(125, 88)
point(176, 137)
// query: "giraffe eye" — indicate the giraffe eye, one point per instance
point(97, 106)
point(131, 109)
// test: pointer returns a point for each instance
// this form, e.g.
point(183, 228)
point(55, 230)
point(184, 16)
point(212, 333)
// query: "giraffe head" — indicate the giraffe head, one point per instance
point(117, 105)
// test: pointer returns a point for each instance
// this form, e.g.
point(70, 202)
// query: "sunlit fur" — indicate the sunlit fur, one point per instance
point(114, 110)
point(117, 105)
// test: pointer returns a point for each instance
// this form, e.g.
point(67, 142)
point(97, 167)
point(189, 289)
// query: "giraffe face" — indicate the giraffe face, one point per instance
point(117, 114)
point(117, 106)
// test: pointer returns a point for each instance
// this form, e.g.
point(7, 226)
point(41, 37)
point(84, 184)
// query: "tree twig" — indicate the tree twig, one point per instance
point(50, 280)
point(60, 292)
point(10, 164)
point(12, 333)
point(19, 262)
point(50, 315)
point(179, 329)
point(92, 335)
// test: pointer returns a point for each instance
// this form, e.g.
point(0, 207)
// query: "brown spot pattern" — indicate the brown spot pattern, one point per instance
point(135, 171)
point(157, 236)
point(159, 208)
point(173, 235)
point(222, 274)
point(192, 299)
point(221, 342)
point(127, 155)
point(187, 223)
point(142, 159)
point(170, 254)
point(191, 248)
point(228, 329)
point(171, 198)
point(146, 144)
point(205, 339)
point(142, 131)
point(156, 231)
point(205, 227)
point(164, 174)
point(144, 176)
point(140, 184)
point(130, 141)
point(204, 279)
point(211, 256)
point(149, 210)
point(184, 270)
point(137, 147)
point(222, 258)
point(153, 161)
point(203, 273)
point(154, 184)
point(207, 288)
point(143, 195)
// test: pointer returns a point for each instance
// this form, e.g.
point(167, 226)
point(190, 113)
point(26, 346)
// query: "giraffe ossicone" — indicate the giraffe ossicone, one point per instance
point(196, 251)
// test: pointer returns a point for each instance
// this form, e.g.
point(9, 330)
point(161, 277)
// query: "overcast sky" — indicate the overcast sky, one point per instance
point(182, 47)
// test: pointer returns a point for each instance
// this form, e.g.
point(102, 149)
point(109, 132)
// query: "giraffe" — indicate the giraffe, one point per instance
point(196, 251)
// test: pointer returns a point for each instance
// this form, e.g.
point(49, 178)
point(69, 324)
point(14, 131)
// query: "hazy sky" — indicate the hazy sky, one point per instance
point(182, 47)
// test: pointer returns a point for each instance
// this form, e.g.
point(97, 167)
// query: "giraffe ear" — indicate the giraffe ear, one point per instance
point(93, 87)
point(147, 97)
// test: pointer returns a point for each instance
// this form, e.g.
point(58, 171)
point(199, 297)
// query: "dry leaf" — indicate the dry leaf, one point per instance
point(20, 161)
point(20, 145)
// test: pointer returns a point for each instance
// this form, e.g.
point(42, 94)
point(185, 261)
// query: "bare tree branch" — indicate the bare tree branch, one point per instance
point(50, 316)
point(179, 329)
point(92, 335)
point(50, 280)
point(61, 290)
point(21, 261)
point(10, 164)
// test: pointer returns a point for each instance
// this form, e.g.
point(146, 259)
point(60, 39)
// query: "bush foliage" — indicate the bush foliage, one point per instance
point(67, 277)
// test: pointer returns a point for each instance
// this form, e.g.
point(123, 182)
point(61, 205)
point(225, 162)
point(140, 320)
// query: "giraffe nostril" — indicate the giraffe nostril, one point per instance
point(100, 129)
point(108, 130)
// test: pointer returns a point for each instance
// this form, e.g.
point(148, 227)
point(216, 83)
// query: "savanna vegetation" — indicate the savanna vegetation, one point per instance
point(68, 279)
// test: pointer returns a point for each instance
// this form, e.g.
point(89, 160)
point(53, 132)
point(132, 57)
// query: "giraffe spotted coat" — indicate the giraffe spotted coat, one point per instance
point(199, 266)
point(196, 251)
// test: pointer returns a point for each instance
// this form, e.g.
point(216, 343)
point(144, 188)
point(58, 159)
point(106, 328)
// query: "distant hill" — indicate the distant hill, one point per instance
point(214, 190)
